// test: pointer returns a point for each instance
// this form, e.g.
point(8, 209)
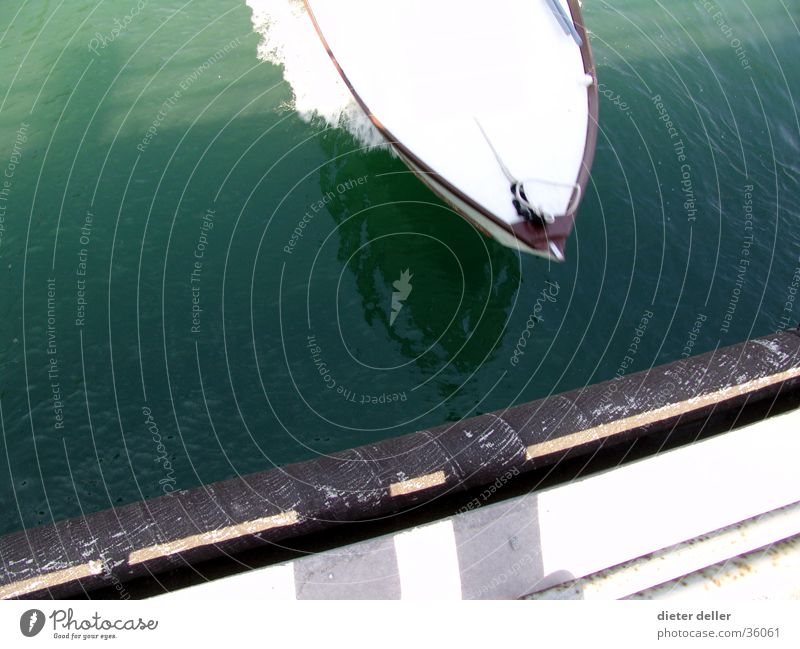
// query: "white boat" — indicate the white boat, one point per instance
point(493, 105)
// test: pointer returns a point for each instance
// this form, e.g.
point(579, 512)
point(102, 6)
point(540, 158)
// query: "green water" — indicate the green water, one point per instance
point(113, 389)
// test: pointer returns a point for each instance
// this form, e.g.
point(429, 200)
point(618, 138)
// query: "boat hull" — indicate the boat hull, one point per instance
point(442, 139)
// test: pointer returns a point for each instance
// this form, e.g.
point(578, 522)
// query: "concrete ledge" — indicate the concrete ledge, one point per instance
point(618, 532)
point(670, 565)
point(770, 573)
point(185, 528)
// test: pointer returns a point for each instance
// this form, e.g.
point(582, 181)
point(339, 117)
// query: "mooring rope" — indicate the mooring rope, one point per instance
point(524, 207)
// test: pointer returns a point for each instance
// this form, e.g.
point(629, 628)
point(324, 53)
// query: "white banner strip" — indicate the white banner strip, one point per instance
point(403, 624)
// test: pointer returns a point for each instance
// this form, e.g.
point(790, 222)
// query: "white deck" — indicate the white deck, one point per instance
point(428, 70)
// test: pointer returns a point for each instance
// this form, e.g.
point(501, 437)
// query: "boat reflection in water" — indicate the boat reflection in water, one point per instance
point(435, 294)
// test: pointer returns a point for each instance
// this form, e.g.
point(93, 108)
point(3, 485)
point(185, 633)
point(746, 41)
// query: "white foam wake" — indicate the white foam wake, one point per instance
point(288, 39)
